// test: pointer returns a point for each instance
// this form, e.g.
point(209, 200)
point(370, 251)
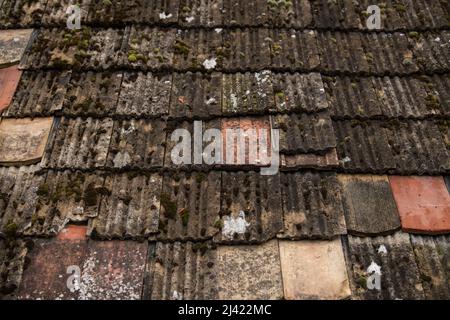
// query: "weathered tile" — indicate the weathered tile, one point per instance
point(9, 79)
point(310, 160)
point(190, 206)
point(181, 270)
point(39, 93)
point(22, 141)
point(113, 270)
point(405, 147)
point(314, 270)
point(423, 203)
point(247, 93)
point(386, 265)
point(431, 50)
point(244, 13)
point(294, 14)
point(21, 13)
point(338, 14)
point(137, 144)
point(73, 232)
point(197, 49)
point(92, 94)
point(305, 133)
point(294, 50)
point(149, 48)
point(299, 92)
point(78, 143)
point(200, 13)
point(249, 272)
point(196, 95)
point(63, 197)
point(144, 95)
point(55, 12)
point(13, 261)
point(250, 207)
point(433, 259)
point(12, 45)
point(246, 50)
point(312, 206)
point(129, 207)
point(18, 198)
point(369, 205)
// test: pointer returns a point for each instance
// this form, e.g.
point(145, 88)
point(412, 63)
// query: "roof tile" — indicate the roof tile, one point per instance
point(364, 196)
point(423, 203)
point(295, 14)
point(12, 45)
point(194, 13)
point(9, 80)
point(21, 13)
point(13, 261)
point(244, 13)
point(314, 270)
point(309, 160)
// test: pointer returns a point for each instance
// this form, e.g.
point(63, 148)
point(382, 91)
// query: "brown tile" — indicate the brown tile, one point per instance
point(12, 45)
point(73, 233)
point(328, 160)
point(9, 79)
point(314, 270)
point(423, 203)
point(22, 141)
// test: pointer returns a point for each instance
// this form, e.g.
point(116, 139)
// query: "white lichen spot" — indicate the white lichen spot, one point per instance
point(211, 101)
point(121, 160)
point(346, 159)
point(382, 249)
point(232, 226)
point(164, 16)
point(218, 30)
point(189, 19)
point(210, 63)
point(177, 296)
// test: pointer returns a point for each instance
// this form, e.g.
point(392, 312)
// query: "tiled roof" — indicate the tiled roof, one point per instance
point(90, 193)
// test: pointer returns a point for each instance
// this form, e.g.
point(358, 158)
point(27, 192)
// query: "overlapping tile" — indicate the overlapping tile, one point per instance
point(13, 261)
point(383, 268)
point(12, 45)
point(23, 141)
point(312, 206)
point(423, 203)
point(310, 160)
point(129, 207)
point(405, 147)
point(9, 80)
point(433, 258)
point(21, 13)
point(190, 206)
point(250, 207)
point(137, 144)
point(314, 270)
point(369, 205)
point(78, 143)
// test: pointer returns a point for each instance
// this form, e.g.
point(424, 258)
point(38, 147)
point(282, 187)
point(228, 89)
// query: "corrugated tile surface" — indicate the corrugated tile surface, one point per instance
point(299, 92)
point(336, 14)
point(250, 207)
point(404, 147)
point(433, 260)
point(294, 50)
point(137, 144)
point(196, 95)
point(245, 13)
point(400, 277)
point(312, 206)
point(181, 270)
point(190, 206)
point(431, 51)
point(78, 143)
point(294, 14)
point(129, 207)
point(200, 13)
point(13, 261)
point(247, 93)
point(144, 95)
point(305, 133)
point(390, 97)
point(21, 13)
point(39, 93)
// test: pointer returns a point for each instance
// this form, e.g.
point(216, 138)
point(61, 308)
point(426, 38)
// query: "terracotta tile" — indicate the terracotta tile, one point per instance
point(328, 160)
point(12, 45)
point(73, 233)
point(9, 79)
point(314, 270)
point(364, 195)
point(423, 203)
point(22, 141)
point(260, 127)
point(249, 272)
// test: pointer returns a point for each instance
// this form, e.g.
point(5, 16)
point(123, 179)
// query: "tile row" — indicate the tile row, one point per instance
point(322, 14)
point(239, 50)
point(226, 207)
point(399, 266)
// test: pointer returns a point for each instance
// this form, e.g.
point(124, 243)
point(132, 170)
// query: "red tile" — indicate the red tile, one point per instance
point(423, 203)
point(9, 79)
point(328, 160)
point(73, 233)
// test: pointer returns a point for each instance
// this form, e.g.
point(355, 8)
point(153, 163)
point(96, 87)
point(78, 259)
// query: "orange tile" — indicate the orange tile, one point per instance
point(9, 79)
point(73, 233)
point(423, 203)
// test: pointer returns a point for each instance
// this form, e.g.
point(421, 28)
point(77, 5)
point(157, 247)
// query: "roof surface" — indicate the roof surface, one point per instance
point(90, 194)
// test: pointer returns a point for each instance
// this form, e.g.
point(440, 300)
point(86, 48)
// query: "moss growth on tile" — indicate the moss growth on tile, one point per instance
point(182, 48)
point(170, 207)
